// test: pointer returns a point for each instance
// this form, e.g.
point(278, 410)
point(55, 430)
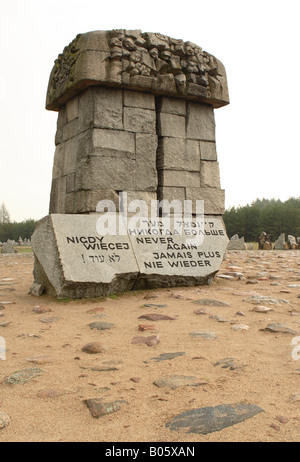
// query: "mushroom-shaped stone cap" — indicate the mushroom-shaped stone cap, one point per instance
point(134, 60)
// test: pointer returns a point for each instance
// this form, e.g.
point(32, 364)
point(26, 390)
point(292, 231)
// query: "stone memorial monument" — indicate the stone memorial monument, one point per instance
point(135, 130)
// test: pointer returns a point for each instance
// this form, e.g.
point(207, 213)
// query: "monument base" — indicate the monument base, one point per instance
point(74, 260)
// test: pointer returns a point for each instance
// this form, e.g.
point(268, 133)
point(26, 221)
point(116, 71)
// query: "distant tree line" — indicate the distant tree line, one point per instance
point(14, 230)
point(272, 216)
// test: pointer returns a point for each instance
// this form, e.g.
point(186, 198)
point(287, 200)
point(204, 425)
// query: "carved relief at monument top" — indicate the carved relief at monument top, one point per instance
point(134, 60)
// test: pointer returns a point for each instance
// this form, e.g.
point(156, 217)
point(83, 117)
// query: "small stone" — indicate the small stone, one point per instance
point(294, 398)
point(37, 289)
point(41, 309)
point(104, 368)
point(101, 325)
point(4, 420)
point(5, 324)
point(21, 377)
point(153, 340)
point(205, 335)
point(28, 336)
point(230, 363)
point(176, 381)
point(240, 327)
point(211, 419)
point(135, 379)
point(50, 393)
point(168, 356)
point(98, 408)
point(40, 360)
point(94, 348)
point(95, 310)
point(217, 318)
point(49, 320)
point(210, 302)
point(279, 328)
point(144, 327)
point(275, 427)
point(260, 299)
point(262, 309)
point(240, 313)
point(150, 296)
point(282, 419)
point(156, 317)
point(151, 305)
point(201, 311)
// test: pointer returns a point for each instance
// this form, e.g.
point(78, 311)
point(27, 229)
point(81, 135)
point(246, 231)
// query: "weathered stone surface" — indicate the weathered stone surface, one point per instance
point(73, 260)
point(230, 363)
point(179, 154)
point(136, 116)
point(171, 125)
point(214, 199)
point(176, 381)
point(210, 302)
point(208, 150)
point(168, 356)
point(8, 247)
point(211, 419)
point(264, 299)
point(5, 420)
point(200, 122)
point(139, 99)
point(156, 317)
point(236, 243)
point(94, 348)
point(279, 328)
point(179, 178)
point(101, 325)
point(21, 377)
point(98, 408)
point(140, 61)
point(205, 335)
point(280, 243)
point(145, 164)
point(209, 174)
point(50, 393)
point(139, 120)
point(152, 340)
point(167, 260)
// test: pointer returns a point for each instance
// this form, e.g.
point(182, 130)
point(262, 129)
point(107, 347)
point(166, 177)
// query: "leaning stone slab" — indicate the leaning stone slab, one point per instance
point(212, 419)
point(8, 248)
point(280, 243)
point(185, 254)
point(73, 261)
point(237, 243)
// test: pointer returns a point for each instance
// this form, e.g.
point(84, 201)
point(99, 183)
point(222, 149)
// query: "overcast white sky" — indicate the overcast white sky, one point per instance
point(257, 41)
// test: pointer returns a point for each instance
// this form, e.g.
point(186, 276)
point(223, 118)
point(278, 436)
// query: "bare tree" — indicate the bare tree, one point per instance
point(4, 214)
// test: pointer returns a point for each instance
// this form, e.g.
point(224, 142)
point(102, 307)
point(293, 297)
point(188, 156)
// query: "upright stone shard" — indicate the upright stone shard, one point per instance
point(135, 116)
point(73, 261)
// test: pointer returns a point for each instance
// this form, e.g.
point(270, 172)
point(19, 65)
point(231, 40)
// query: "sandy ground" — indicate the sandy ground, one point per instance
point(266, 375)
